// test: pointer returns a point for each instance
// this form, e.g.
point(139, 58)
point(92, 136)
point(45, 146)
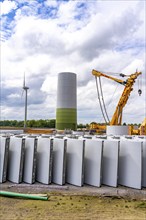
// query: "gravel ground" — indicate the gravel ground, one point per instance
point(103, 191)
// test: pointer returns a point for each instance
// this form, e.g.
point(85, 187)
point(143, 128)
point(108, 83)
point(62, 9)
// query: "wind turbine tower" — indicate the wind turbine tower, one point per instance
point(25, 89)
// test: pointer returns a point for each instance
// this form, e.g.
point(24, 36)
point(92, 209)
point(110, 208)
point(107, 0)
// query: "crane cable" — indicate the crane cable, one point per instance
point(103, 100)
point(112, 96)
point(139, 86)
point(98, 93)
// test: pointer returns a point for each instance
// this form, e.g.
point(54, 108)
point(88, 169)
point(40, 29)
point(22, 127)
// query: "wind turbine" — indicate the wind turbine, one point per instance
point(25, 89)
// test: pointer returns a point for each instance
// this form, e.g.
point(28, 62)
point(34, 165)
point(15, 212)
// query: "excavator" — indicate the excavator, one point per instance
point(117, 116)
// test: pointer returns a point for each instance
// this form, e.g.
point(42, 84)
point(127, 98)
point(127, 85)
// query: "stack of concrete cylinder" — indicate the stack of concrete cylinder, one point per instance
point(74, 159)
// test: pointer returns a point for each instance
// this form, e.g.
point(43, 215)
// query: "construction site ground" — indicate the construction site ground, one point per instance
point(73, 202)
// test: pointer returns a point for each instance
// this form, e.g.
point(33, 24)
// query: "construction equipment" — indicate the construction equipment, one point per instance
point(117, 116)
point(142, 128)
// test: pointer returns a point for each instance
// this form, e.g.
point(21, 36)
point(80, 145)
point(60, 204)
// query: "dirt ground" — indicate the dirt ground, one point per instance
point(72, 202)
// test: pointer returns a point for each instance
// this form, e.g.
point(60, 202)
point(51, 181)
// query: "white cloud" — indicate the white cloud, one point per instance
point(50, 85)
point(15, 95)
point(49, 3)
point(79, 37)
point(135, 65)
point(7, 6)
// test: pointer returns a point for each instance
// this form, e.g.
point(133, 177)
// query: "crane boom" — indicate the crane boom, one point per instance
point(117, 116)
point(98, 74)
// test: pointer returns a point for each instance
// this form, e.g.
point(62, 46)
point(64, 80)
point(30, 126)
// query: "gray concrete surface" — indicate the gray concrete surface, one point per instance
point(103, 191)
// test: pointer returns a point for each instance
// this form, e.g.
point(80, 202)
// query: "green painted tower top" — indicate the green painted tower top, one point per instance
point(66, 111)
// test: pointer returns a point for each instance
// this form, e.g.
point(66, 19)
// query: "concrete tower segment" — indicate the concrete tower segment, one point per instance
point(66, 112)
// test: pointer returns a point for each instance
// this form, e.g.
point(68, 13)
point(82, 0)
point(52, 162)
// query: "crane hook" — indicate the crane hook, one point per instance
point(139, 92)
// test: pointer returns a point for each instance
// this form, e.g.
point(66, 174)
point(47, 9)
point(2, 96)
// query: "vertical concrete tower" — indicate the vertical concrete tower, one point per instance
point(66, 112)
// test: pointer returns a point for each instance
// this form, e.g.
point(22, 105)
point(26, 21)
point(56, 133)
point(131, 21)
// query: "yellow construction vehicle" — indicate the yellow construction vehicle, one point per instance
point(117, 116)
point(142, 128)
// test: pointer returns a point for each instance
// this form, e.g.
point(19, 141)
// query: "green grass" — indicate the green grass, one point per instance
point(72, 207)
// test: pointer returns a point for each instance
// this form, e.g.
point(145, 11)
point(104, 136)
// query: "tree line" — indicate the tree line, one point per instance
point(42, 123)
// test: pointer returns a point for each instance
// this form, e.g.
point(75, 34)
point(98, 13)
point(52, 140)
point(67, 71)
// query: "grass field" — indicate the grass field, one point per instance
point(63, 206)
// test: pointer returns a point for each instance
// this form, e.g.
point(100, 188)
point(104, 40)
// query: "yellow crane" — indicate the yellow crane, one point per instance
point(128, 87)
point(142, 127)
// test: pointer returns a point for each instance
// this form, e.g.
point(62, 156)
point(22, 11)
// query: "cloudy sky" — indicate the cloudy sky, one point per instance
point(45, 37)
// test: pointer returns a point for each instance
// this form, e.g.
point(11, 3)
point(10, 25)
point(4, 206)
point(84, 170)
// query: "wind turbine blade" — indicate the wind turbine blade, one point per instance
point(24, 81)
point(22, 93)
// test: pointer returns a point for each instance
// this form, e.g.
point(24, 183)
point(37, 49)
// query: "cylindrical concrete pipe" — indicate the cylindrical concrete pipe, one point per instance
point(118, 130)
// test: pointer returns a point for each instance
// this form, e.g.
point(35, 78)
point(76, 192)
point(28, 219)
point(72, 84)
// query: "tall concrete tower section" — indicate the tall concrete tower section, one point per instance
point(66, 112)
